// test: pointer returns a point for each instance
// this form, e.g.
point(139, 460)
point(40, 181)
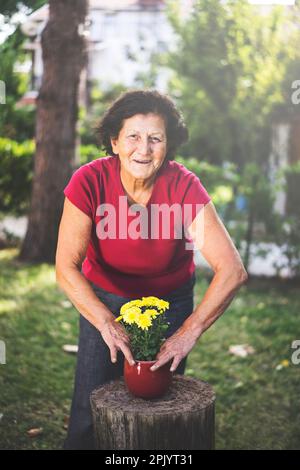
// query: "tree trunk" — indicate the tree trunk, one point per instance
point(182, 420)
point(64, 55)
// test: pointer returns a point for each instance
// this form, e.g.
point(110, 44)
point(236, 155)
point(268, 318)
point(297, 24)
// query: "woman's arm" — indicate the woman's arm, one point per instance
point(212, 239)
point(73, 239)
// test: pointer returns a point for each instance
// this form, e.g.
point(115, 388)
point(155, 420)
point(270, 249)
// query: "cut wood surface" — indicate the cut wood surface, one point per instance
point(183, 419)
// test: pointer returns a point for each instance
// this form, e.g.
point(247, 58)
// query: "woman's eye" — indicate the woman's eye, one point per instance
point(152, 139)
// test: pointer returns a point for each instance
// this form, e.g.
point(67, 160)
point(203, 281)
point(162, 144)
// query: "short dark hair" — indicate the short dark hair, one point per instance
point(134, 102)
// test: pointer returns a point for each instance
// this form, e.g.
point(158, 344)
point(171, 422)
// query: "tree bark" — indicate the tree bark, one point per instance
point(181, 420)
point(64, 55)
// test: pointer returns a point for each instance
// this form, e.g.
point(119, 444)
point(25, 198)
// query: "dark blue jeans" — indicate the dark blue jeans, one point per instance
point(94, 366)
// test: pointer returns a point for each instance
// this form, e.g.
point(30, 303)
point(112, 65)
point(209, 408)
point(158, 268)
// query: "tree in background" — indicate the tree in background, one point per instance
point(100, 98)
point(10, 7)
point(229, 66)
point(15, 123)
point(64, 56)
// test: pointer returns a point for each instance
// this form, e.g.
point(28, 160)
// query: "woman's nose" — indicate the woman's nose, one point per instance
point(144, 146)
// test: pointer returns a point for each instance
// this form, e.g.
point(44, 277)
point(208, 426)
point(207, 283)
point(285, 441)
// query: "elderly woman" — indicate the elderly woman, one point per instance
point(108, 254)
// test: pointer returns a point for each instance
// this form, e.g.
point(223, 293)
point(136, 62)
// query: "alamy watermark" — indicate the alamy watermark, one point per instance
point(2, 352)
point(295, 359)
point(156, 222)
point(296, 94)
point(2, 92)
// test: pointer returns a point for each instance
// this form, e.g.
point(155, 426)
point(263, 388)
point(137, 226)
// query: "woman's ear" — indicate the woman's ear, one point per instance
point(114, 144)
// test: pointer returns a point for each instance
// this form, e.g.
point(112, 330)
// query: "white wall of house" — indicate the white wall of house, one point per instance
point(121, 36)
point(121, 44)
point(279, 159)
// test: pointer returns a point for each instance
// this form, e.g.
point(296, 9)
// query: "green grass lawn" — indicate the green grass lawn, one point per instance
point(258, 404)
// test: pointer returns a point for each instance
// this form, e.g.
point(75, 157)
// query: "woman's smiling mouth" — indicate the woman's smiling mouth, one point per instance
point(143, 162)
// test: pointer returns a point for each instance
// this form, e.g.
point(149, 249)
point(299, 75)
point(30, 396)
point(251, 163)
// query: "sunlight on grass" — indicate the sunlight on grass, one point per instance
point(7, 305)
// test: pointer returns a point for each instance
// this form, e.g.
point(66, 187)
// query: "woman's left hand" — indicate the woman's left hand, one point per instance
point(179, 344)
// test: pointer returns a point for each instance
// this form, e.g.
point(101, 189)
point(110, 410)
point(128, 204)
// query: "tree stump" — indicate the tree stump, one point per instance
point(183, 419)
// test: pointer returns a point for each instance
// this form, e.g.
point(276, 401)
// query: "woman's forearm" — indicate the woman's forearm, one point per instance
point(82, 296)
point(217, 298)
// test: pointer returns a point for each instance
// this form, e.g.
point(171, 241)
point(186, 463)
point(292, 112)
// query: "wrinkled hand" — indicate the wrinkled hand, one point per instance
point(116, 339)
point(178, 345)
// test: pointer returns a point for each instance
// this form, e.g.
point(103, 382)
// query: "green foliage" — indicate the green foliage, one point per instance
point(16, 162)
point(89, 152)
point(292, 188)
point(288, 238)
point(218, 180)
point(145, 344)
point(100, 100)
point(283, 230)
point(9, 7)
point(286, 230)
point(15, 122)
point(254, 186)
point(229, 67)
point(226, 185)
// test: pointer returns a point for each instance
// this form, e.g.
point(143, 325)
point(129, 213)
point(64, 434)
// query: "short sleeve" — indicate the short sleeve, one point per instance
point(80, 191)
point(195, 198)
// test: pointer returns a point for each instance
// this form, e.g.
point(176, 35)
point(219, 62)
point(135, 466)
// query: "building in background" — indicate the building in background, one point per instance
point(122, 36)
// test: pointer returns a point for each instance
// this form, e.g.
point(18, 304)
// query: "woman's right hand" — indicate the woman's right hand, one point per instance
point(116, 339)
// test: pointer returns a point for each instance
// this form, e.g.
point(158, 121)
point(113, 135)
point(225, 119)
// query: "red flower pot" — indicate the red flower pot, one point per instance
point(144, 383)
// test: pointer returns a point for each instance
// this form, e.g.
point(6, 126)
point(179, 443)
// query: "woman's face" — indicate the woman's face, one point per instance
point(141, 145)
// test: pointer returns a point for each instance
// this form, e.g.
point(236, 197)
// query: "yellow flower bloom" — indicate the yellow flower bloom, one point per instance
point(132, 315)
point(285, 363)
point(144, 321)
point(152, 301)
point(152, 312)
point(149, 301)
point(163, 305)
point(128, 305)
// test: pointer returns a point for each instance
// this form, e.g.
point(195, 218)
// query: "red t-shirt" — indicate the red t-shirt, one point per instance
point(151, 261)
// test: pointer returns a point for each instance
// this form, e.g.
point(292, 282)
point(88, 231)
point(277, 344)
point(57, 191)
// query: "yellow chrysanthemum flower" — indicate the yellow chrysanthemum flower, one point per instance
point(150, 301)
point(144, 321)
point(128, 305)
point(163, 305)
point(152, 312)
point(131, 312)
point(132, 315)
